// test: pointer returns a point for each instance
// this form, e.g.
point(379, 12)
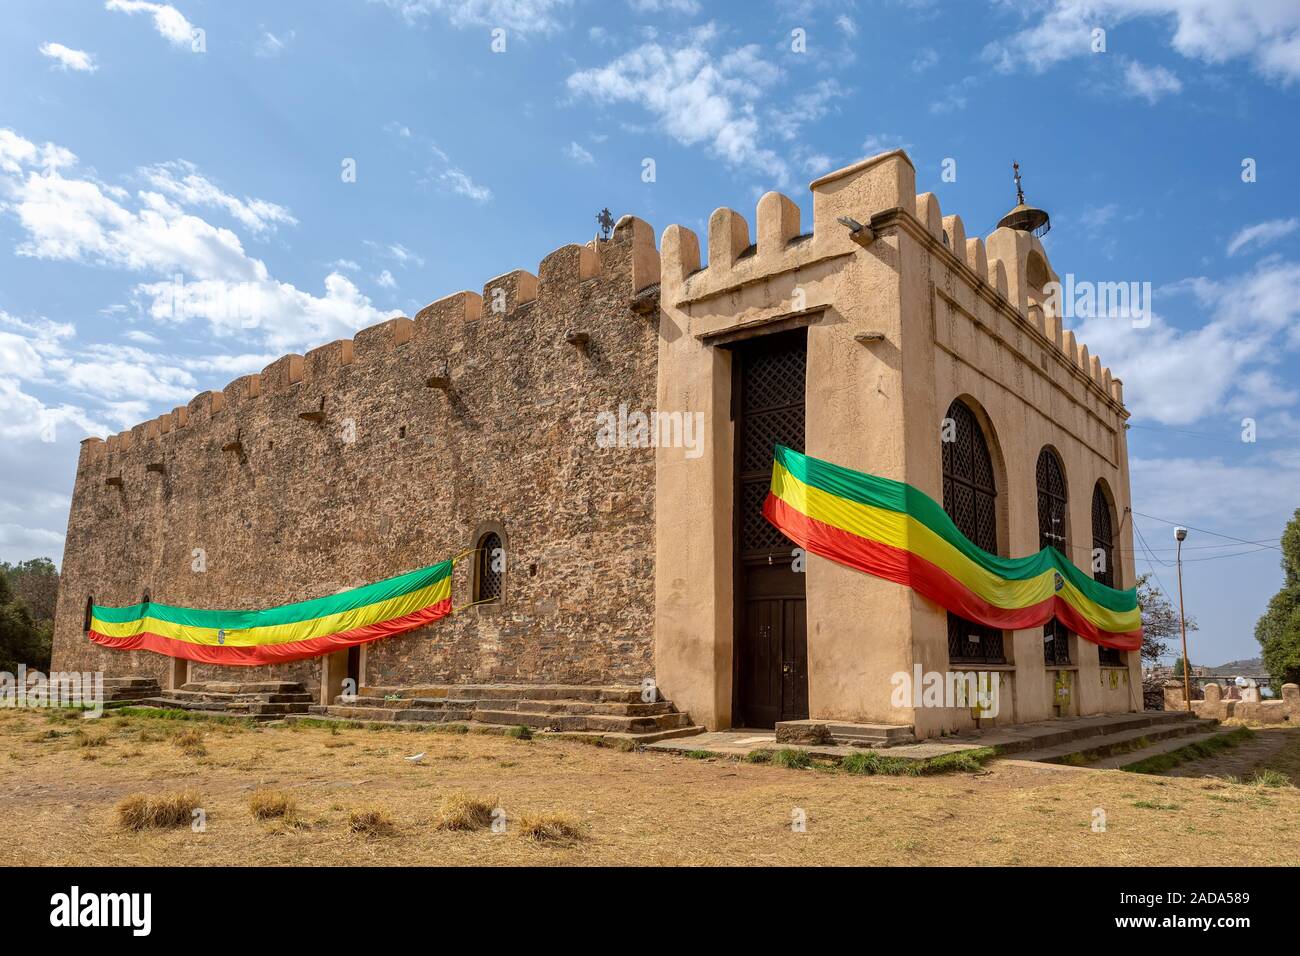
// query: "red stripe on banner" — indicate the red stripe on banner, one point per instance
point(928, 579)
point(275, 653)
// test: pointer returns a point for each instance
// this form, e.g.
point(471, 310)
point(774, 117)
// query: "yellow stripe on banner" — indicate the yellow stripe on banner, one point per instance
point(899, 530)
point(284, 633)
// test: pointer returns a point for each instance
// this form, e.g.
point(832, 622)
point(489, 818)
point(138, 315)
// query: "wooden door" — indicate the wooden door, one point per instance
point(771, 655)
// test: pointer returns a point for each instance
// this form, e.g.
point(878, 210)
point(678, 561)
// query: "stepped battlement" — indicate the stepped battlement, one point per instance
point(628, 262)
point(1009, 268)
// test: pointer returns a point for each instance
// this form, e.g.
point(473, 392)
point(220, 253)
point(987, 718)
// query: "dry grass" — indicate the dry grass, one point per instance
point(642, 808)
point(190, 741)
point(371, 822)
point(555, 828)
point(268, 804)
point(463, 811)
point(140, 811)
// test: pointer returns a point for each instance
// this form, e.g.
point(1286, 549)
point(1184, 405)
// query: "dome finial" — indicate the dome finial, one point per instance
point(1024, 217)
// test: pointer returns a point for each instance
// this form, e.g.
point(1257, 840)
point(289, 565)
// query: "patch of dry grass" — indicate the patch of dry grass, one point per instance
point(640, 809)
point(83, 739)
point(268, 804)
point(141, 811)
point(190, 742)
point(555, 828)
point(371, 822)
point(464, 811)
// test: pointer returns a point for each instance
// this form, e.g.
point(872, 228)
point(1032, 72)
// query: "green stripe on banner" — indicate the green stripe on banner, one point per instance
point(903, 498)
point(285, 613)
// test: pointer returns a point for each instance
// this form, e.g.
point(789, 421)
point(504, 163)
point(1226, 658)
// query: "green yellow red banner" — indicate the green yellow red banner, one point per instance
point(289, 632)
point(894, 531)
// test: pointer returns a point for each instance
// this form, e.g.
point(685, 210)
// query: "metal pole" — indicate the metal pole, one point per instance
point(1182, 623)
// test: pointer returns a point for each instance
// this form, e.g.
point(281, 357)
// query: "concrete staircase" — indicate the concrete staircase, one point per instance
point(261, 700)
point(120, 691)
point(608, 712)
point(1111, 741)
point(843, 733)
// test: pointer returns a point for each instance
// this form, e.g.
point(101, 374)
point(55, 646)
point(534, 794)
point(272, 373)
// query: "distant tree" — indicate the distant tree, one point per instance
point(1278, 631)
point(22, 639)
point(36, 582)
point(1159, 621)
point(1178, 667)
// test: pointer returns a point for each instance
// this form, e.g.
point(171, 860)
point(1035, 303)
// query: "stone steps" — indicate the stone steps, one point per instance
point(259, 700)
point(608, 738)
point(843, 733)
point(220, 698)
point(1046, 734)
point(1120, 761)
point(1120, 744)
point(535, 692)
point(122, 690)
point(557, 708)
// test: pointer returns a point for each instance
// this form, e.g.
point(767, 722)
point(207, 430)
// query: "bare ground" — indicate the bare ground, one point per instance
point(59, 791)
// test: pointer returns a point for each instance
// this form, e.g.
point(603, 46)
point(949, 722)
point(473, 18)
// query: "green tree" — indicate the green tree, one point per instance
point(1159, 621)
point(36, 582)
point(1278, 630)
point(22, 639)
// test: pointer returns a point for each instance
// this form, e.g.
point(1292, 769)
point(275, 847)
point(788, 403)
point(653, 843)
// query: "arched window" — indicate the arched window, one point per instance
point(489, 566)
point(1103, 558)
point(970, 498)
point(1052, 534)
point(90, 613)
point(144, 598)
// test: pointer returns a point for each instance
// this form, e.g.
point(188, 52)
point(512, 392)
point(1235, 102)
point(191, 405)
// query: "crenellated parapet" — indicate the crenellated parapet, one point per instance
point(853, 210)
point(621, 266)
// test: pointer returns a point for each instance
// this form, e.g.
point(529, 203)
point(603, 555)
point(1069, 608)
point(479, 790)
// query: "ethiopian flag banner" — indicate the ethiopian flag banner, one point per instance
point(896, 532)
point(275, 635)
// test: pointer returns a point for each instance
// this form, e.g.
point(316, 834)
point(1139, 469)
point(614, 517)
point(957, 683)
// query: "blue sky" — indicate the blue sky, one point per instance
point(128, 156)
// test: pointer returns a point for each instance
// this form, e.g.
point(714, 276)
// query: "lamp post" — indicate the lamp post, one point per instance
point(1180, 534)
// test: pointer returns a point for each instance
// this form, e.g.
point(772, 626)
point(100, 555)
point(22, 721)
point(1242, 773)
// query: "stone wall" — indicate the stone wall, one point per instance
point(386, 474)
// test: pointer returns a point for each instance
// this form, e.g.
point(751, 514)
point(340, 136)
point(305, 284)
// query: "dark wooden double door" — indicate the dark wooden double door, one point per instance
point(771, 648)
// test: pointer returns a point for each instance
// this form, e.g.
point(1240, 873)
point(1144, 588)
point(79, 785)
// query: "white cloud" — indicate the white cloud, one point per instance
point(394, 251)
point(459, 182)
point(68, 58)
point(518, 16)
point(579, 155)
point(16, 152)
point(883, 143)
point(192, 189)
point(927, 58)
point(1150, 83)
point(167, 20)
point(386, 280)
point(442, 173)
point(68, 218)
point(1262, 234)
point(270, 45)
point(696, 95)
point(1265, 32)
point(805, 107)
point(689, 7)
point(847, 25)
point(1176, 376)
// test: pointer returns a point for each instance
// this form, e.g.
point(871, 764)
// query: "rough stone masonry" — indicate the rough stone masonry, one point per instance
point(344, 466)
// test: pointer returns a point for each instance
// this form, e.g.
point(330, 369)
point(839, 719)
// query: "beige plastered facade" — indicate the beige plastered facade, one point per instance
point(899, 325)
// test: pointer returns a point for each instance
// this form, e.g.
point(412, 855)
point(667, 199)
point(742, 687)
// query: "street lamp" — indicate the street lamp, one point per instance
point(1181, 534)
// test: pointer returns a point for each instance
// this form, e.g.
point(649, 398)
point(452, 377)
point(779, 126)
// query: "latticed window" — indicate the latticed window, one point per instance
point(1103, 550)
point(970, 498)
point(1051, 534)
point(489, 565)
